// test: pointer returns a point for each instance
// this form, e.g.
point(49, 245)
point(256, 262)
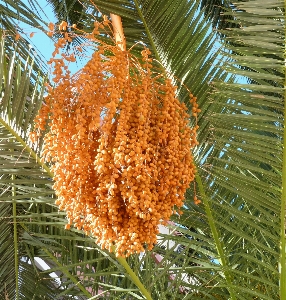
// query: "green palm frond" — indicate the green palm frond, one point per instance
point(20, 100)
point(215, 10)
point(13, 12)
point(33, 284)
point(242, 163)
point(14, 16)
point(70, 11)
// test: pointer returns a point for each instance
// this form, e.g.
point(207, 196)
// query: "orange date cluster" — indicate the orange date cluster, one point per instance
point(119, 144)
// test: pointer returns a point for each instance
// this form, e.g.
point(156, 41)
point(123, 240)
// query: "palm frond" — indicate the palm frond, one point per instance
point(242, 155)
point(15, 16)
point(19, 101)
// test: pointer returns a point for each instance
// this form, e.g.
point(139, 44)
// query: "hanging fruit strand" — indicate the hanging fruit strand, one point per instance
point(119, 143)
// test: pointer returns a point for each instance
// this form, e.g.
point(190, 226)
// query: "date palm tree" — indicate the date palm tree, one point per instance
point(232, 245)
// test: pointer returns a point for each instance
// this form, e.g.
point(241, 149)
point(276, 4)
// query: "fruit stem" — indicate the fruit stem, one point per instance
point(118, 31)
point(133, 276)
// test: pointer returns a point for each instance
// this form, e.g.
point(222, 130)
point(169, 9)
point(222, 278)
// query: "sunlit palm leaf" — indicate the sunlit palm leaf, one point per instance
point(242, 172)
point(19, 172)
point(15, 15)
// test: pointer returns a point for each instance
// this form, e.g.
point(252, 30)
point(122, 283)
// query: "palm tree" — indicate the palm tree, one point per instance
point(232, 245)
